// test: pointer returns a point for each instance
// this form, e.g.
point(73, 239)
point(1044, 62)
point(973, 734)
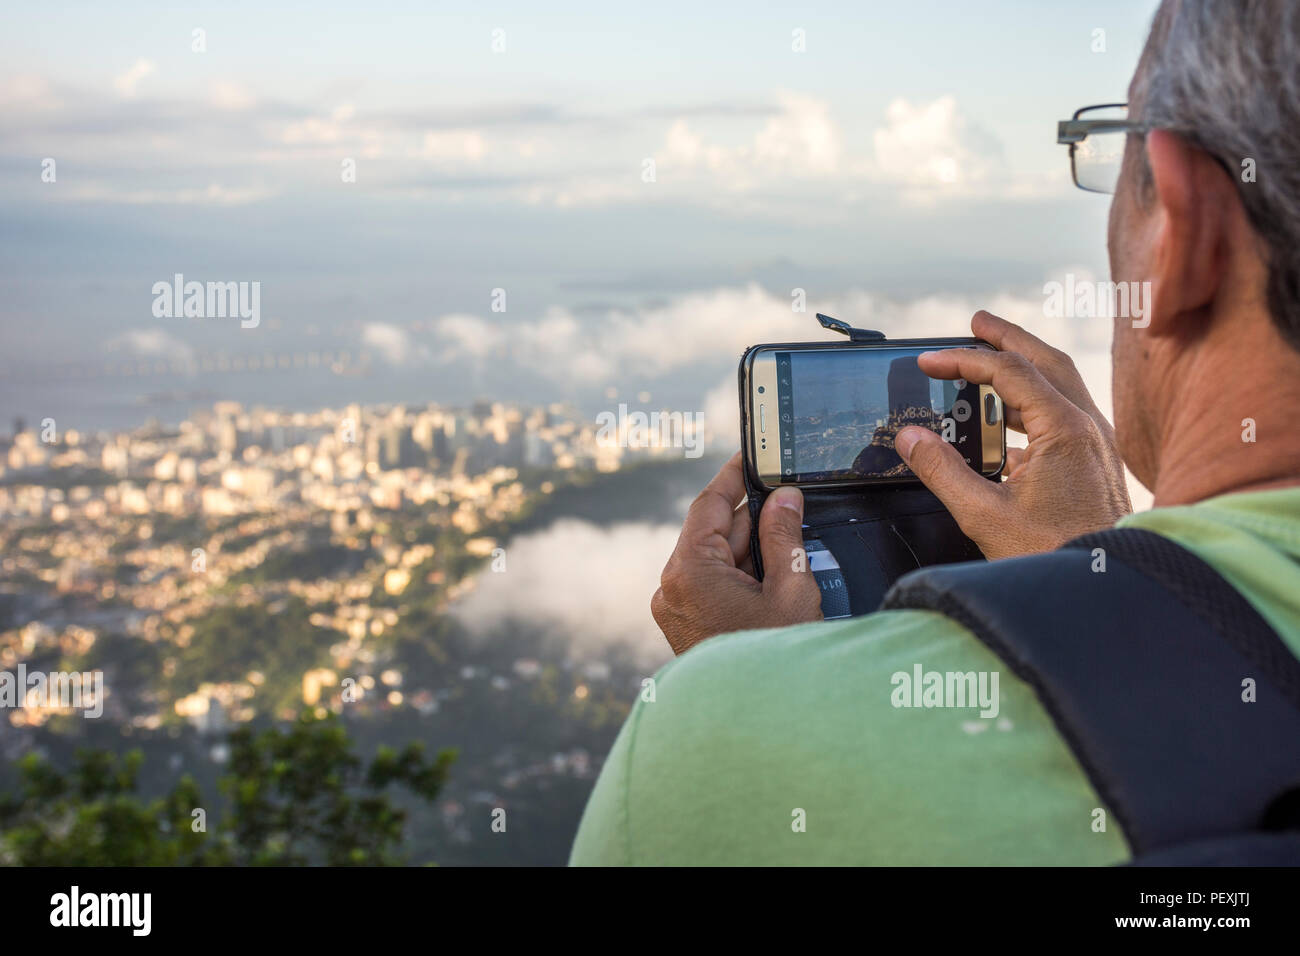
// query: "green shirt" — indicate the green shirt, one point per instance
point(785, 747)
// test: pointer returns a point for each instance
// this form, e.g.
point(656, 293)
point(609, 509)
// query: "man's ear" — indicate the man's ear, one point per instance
point(1191, 194)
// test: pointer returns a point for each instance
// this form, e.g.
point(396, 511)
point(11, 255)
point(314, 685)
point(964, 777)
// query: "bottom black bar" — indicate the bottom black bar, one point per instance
point(305, 905)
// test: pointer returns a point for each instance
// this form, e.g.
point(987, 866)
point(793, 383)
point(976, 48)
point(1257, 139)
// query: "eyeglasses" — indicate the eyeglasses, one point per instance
point(1096, 136)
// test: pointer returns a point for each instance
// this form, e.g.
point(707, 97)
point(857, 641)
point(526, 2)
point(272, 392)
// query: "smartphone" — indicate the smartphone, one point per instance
point(824, 416)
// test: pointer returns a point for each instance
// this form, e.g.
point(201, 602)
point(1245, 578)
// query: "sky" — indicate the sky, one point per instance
point(641, 187)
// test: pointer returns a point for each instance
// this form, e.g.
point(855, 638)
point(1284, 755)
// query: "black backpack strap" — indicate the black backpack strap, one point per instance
point(1142, 667)
point(1242, 849)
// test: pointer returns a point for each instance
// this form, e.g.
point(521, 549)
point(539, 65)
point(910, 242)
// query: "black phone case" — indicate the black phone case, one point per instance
point(877, 533)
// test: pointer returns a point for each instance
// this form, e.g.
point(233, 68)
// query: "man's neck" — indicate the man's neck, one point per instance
point(1235, 430)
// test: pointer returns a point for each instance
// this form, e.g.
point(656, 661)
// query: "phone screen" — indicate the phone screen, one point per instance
point(838, 410)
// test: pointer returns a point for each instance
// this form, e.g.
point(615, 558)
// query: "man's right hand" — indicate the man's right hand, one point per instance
point(1068, 481)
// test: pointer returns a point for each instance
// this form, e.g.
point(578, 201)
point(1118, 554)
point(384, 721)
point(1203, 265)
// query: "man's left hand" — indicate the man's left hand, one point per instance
point(708, 586)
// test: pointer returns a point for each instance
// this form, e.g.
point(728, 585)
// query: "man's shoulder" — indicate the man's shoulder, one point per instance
point(793, 686)
point(791, 656)
point(795, 745)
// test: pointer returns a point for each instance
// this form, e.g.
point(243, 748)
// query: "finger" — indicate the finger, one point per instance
point(709, 520)
point(780, 536)
point(1042, 408)
point(1008, 337)
point(739, 536)
point(965, 493)
point(1056, 366)
point(1016, 422)
point(1012, 418)
point(1015, 457)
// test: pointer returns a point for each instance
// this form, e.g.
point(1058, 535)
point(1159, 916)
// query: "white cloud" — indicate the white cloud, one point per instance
point(722, 415)
point(392, 342)
point(456, 144)
point(932, 144)
point(802, 138)
point(214, 195)
point(929, 148)
point(150, 343)
point(125, 83)
point(787, 158)
point(312, 130)
point(336, 132)
point(682, 146)
point(231, 97)
point(27, 91)
point(467, 336)
point(690, 329)
point(589, 584)
point(709, 327)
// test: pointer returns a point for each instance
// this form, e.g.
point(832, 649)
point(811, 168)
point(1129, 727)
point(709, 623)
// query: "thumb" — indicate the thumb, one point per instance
point(963, 491)
point(780, 537)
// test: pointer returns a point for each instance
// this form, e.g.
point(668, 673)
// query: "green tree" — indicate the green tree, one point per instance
point(92, 816)
point(295, 796)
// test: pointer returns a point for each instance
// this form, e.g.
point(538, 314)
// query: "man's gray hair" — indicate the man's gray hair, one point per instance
point(1225, 74)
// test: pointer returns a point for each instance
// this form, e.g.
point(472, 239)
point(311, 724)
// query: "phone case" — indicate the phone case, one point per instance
point(874, 533)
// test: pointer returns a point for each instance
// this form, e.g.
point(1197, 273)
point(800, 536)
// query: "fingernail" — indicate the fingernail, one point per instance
point(926, 355)
point(791, 498)
point(906, 440)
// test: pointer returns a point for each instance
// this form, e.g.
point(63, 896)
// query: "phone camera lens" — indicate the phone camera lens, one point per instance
point(761, 389)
